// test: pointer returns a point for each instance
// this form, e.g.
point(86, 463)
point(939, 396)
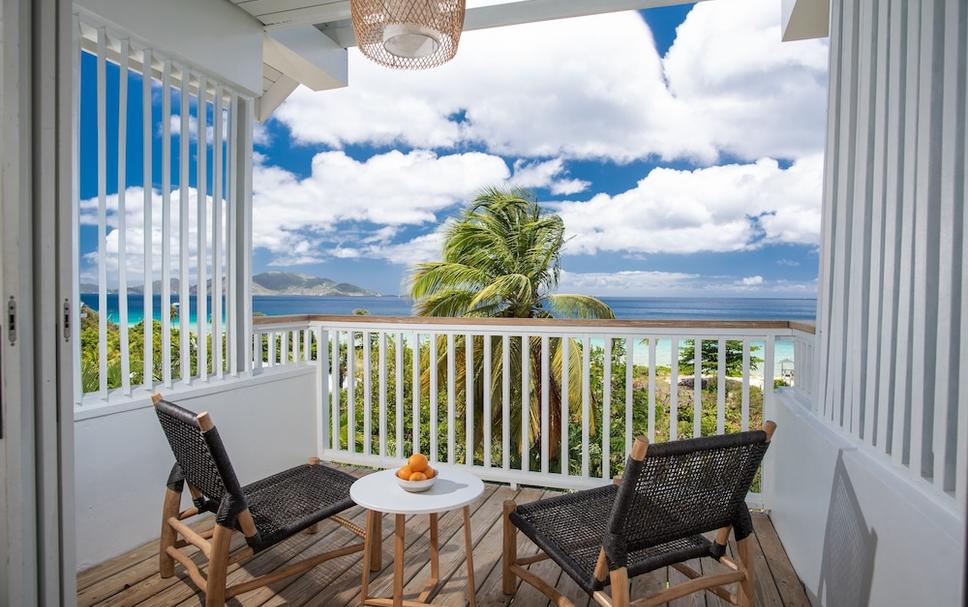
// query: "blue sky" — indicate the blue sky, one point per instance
point(681, 145)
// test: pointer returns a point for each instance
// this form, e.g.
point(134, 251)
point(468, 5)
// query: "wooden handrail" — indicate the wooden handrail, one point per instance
point(537, 322)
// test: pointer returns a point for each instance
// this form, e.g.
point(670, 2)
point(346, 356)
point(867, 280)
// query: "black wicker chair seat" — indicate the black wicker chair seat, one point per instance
point(293, 500)
point(570, 528)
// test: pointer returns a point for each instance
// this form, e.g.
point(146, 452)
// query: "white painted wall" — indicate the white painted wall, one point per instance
point(857, 528)
point(213, 35)
point(122, 459)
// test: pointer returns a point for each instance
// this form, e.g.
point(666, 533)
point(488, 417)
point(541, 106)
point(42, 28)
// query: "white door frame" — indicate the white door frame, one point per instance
point(36, 469)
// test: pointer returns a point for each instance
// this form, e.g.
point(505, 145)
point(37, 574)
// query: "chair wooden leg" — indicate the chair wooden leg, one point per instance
point(376, 553)
point(510, 549)
point(620, 587)
point(218, 564)
point(746, 562)
point(166, 564)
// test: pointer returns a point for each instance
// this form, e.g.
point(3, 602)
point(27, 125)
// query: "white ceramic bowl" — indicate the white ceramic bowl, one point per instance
point(416, 486)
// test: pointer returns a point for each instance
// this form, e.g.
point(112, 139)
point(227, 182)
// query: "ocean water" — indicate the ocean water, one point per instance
point(626, 308)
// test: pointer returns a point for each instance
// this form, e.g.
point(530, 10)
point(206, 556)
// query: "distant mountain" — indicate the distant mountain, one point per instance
point(286, 283)
point(267, 283)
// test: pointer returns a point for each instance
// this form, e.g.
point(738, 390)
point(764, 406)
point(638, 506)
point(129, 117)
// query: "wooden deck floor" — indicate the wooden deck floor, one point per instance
point(132, 578)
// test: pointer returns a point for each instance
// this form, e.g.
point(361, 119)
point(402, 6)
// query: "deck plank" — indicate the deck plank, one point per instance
point(132, 578)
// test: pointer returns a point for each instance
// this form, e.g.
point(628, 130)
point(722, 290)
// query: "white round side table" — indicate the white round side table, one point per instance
point(380, 494)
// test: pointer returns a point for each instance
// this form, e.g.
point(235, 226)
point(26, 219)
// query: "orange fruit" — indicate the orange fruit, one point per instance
point(418, 476)
point(404, 472)
point(418, 462)
point(430, 472)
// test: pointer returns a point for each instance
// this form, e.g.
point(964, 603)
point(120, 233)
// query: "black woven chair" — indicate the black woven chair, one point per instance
point(653, 517)
point(266, 512)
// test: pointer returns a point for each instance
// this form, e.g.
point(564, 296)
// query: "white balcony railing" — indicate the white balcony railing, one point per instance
point(408, 383)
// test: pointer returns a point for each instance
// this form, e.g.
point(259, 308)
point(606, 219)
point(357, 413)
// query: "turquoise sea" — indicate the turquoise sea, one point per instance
point(628, 308)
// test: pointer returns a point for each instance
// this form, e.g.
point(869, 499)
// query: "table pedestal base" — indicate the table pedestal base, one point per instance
point(399, 540)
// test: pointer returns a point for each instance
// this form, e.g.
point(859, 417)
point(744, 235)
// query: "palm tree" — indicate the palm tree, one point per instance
point(502, 259)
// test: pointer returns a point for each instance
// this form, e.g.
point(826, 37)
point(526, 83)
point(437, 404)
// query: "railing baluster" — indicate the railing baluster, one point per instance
point(745, 411)
point(545, 406)
point(652, 380)
point(505, 402)
point(201, 205)
point(721, 387)
point(270, 348)
point(398, 380)
point(432, 364)
point(607, 408)
point(487, 420)
point(184, 303)
point(629, 364)
point(217, 209)
point(321, 337)
point(166, 223)
point(469, 399)
point(586, 397)
point(382, 390)
point(415, 445)
point(525, 404)
point(367, 395)
point(674, 390)
point(351, 391)
point(565, 411)
point(451, 400)
point(697, 388)
point(102, 213)
point(122, 218)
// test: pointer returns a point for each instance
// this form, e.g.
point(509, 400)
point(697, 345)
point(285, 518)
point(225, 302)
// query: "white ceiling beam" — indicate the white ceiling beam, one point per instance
point(514, 12)
point(804, 19)
point(307, 56)
point(274, 96)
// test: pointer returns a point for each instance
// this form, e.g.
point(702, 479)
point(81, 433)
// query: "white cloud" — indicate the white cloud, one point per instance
point(669, 284)
point(751, 281)
point(720, 208)
point(727, 85)
point(548, 174)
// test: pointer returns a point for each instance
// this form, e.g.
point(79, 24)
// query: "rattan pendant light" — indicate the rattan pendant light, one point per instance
point(408, 34)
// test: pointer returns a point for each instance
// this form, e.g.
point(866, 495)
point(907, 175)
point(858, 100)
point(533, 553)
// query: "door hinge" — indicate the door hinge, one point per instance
point(67, 320)
point(12, 320)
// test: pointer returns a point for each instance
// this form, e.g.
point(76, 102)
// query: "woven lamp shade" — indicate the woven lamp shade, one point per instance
point(408, 34)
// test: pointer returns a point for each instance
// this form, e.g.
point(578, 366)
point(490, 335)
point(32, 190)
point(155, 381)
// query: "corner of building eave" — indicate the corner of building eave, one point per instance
point(805, 19)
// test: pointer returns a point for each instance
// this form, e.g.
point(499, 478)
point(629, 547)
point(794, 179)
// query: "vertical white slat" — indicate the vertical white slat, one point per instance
point(927, 228)
point(545, 403)
point(307, 346)
point(367, 394)
point(398, 380)
point(217, 210)
point(629, 400)
point(565, 405)
point(586, 397)
point(469, 400)
point(334, 389)
point(147, 136)
point(652, 379)
point(76, 209)
point(201, 228)
point(322, 380)
point(102, 213)
point(674, 390)
point(232, 219)
point(351, 391)
point(432, 363)
point(487, 421)
point(165, 303)
point(184, 302)
point(769, 367)
point(382, 391)
point(122, 216)
point(697, 388)
point(257, 350)
point(451, 400)
point(607, 408)
point(721, 387)
point(745, 407)
point(525, 403)
point(415, 402)
point(961, 446)
point(284, 347)
point(949, 246)
point(294, 342)
point(506, 402)
point(271, 349)
point(244, 165)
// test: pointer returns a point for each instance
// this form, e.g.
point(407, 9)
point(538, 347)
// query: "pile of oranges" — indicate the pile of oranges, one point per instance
point(416, 469)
